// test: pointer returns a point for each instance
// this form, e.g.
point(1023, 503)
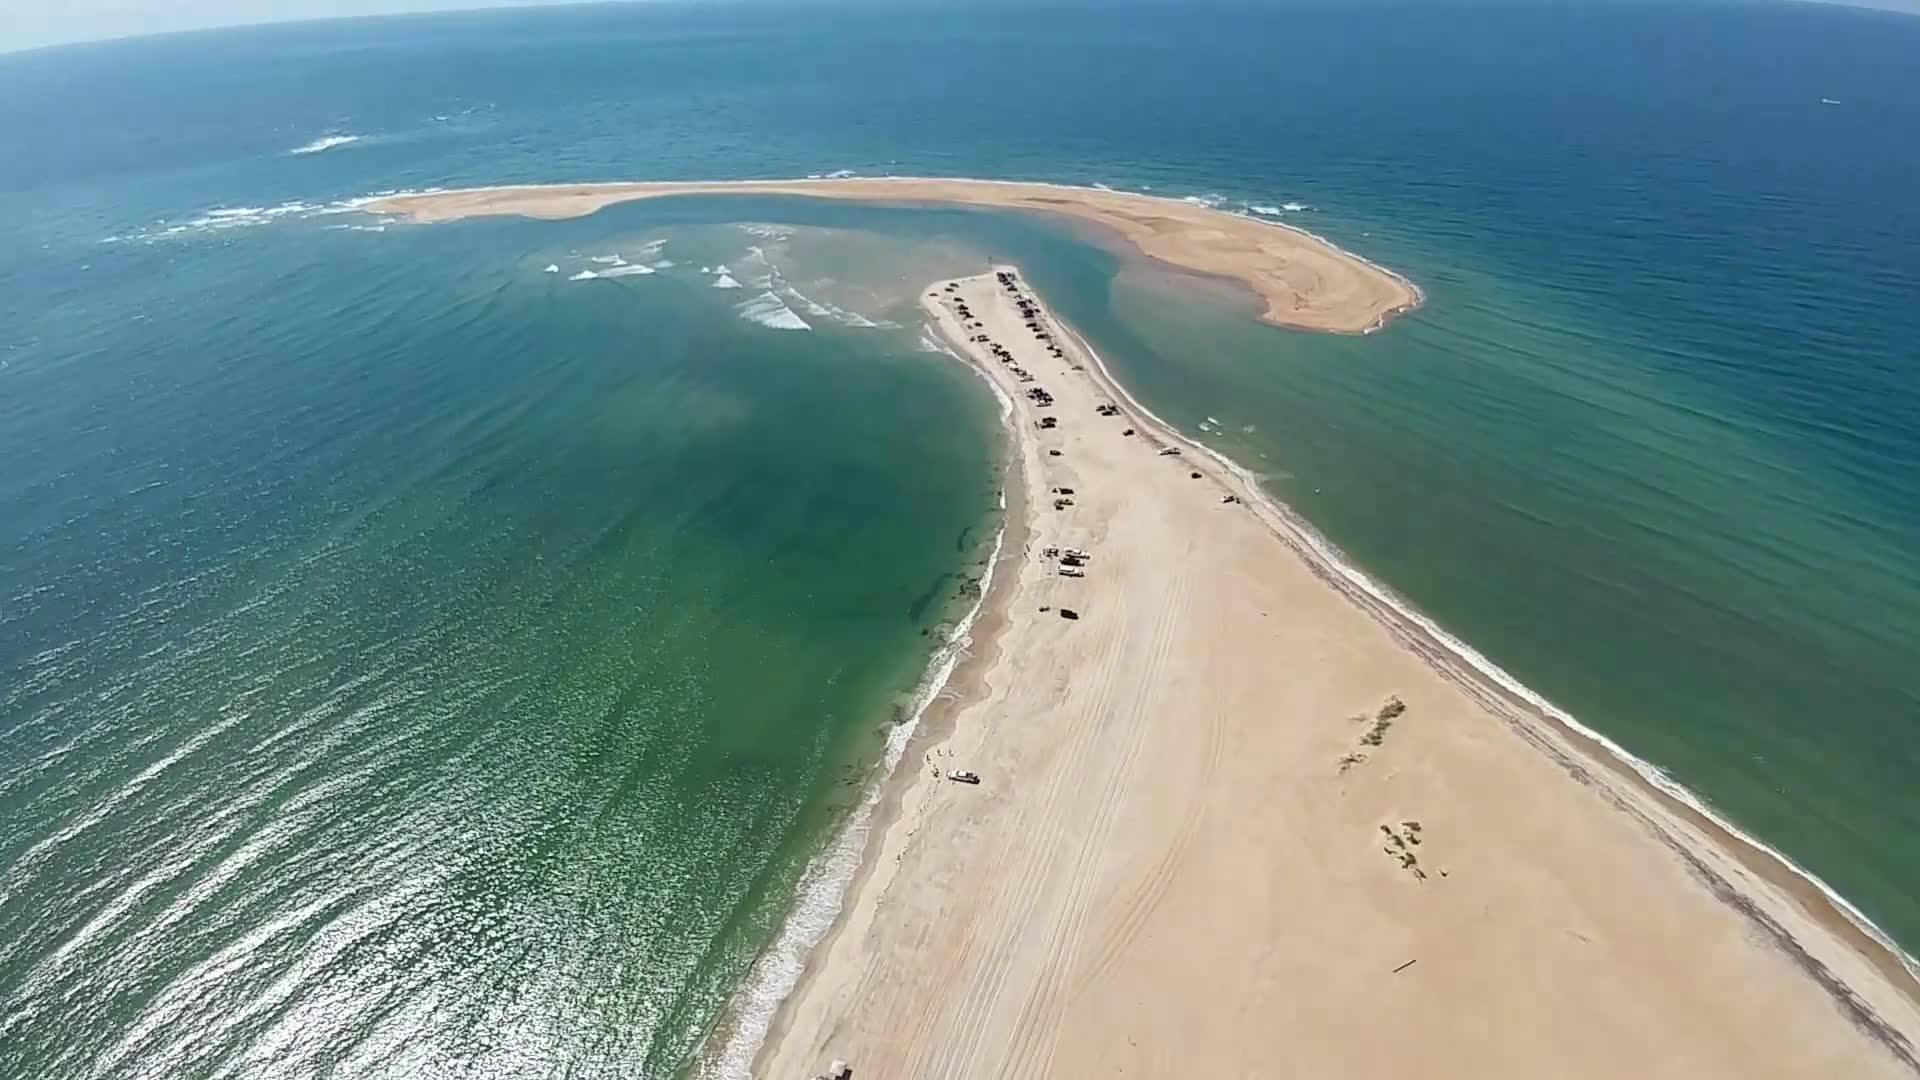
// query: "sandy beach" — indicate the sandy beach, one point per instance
point(1237, 818)
point(1302, 280)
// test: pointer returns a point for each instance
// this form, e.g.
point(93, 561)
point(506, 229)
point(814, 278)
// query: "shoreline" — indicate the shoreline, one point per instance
point(756, 1014)
point(1306, 281)
point(1716, 853)
point(1449, 652)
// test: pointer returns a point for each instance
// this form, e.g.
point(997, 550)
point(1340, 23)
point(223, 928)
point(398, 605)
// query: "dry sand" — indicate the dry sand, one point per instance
point(1190, 857)
point(1304, 281)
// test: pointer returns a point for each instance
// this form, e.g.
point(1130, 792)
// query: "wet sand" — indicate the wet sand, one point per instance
point(1302, 280)
point(1239, 818)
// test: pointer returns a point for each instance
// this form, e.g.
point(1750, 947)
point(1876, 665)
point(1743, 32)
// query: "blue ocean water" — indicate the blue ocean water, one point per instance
point(403, 646)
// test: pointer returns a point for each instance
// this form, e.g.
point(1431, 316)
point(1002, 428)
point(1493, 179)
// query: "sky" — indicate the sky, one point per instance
point(26, 24)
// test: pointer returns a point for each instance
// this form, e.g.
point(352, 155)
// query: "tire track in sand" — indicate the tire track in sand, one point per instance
point(1145, 898)
point(1009, 912)
point(1036, 1029)
point(983, 953)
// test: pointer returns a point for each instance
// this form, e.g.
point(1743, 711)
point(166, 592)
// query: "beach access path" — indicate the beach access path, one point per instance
point(1208, 842)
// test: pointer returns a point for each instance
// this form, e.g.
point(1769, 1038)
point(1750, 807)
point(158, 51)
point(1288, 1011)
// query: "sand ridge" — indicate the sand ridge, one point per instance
point(1232, 823)
point(1303, 281)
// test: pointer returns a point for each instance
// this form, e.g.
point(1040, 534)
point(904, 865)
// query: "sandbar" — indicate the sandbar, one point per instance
point(1303, 281)
point(1235, 819)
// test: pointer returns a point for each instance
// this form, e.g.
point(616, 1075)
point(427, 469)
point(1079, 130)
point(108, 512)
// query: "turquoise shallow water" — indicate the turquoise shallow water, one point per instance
point(416, 663)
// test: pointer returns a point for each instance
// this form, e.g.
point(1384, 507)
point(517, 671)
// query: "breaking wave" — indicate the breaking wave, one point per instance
point(324, 142)
point(222, 218)
point(770, 311)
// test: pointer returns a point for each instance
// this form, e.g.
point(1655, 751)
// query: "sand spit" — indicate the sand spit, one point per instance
point(1305, 282)
point(1236, 818)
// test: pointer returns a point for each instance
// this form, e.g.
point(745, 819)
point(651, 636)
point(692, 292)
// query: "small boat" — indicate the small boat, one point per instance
point(963, 777)
point(1170, 451)
point(1072, 571)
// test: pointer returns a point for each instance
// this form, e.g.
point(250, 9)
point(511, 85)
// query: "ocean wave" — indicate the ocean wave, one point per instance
point(584, 275)
point(811, 307)
point(770, 311)
point(607, 260)
point(725, 281)
point(552, 268)
point(627, 270)
point(1265, 211)
point(221, 218)
point(822, 310)
point(325, 142)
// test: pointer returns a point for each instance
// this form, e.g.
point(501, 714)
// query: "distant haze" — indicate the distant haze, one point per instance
point(26, 24)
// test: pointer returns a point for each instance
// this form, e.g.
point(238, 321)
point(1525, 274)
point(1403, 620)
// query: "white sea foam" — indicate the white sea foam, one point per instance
point(663, 264)
point(221, 218)
point(725, 281)
point(584, 275)
point(552, 268)
point(823, 887)
point(720, 270)
point(608, 260)
point(1294, 207)
point(822, 310)
point(325, 142)
point(1268, 211)
point(817, 310)
point(627, 270)
point(770, 311)
point(850, 318)
point(1100, 186)
point(840, 174)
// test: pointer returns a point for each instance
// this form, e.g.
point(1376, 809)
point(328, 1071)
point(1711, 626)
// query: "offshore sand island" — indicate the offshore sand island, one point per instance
point(1303, 281)
point(1202, 800)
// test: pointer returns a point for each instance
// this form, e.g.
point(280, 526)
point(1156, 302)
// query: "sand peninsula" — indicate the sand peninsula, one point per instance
point(1305, 282)
point(1239, 812)
point(1238, 816)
